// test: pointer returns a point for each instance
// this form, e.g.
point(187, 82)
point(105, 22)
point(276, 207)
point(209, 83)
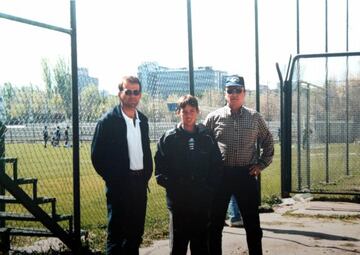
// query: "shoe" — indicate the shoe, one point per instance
point(234, 224)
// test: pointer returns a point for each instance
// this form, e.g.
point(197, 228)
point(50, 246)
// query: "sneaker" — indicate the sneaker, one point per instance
point(234, 224)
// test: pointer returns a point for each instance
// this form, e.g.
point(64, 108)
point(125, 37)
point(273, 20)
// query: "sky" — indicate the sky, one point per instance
point(114, 37)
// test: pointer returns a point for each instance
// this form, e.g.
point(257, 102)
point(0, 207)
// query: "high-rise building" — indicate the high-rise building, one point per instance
point(164, 81)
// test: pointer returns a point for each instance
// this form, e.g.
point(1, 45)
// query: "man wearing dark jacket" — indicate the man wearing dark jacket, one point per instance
point(120, 153)
point(188, 165)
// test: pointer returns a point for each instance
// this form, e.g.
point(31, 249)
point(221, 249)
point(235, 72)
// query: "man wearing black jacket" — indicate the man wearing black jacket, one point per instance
point(120, 153)
point(188, 165)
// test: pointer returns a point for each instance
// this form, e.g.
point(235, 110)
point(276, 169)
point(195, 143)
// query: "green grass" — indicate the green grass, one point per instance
point(53, 168)
point(347, 218)
point(333, 179)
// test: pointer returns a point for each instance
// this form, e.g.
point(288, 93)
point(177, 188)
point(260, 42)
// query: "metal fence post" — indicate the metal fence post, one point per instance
point(3, 238)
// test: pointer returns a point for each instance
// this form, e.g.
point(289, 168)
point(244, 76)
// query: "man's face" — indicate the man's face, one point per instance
point(130, 95)
point(235, 96)
point(188, 115)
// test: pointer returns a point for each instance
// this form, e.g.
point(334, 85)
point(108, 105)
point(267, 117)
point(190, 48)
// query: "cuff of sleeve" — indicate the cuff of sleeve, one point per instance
point(162, 180)
point(262, 164)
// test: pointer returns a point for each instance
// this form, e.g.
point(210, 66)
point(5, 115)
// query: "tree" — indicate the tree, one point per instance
point(209, 101)
point(270, 105)
point(90, 103)
point(47, 77)
point(154, 108)
point(49, 91)
point(8, 94)
point(63, 85)
point(107, 101)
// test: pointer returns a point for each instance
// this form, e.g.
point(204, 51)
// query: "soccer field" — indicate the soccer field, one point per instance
point(53, 168)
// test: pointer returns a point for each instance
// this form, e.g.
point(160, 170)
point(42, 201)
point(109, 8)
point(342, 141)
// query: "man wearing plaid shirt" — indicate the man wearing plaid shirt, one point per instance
point(238, 130)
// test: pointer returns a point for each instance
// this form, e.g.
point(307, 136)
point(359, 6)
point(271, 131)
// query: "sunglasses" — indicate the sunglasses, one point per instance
point(234, 91)
point(130, 92)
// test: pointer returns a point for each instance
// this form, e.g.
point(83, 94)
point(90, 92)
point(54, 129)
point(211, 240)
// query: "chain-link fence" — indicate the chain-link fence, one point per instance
point(39, 132)
point(326, 125)
point(25, 109)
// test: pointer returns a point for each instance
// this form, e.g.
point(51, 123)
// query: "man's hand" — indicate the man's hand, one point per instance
point(255, 170)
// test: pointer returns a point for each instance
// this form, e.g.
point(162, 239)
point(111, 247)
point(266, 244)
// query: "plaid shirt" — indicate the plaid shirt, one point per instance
point(237, 134)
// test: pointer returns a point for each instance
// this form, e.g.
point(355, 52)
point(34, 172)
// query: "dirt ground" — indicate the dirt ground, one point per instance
point(296, 227)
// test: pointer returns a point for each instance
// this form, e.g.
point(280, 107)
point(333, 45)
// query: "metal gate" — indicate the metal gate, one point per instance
point(320, 129)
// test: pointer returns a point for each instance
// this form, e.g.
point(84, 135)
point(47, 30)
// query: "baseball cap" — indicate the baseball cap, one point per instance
point(235, 80)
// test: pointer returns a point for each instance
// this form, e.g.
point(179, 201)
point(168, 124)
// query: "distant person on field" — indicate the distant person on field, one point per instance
point(120, 153)
point(238, 131)
point(57, 135)
point(279, 135)
point(188, 165)
point(66, 137)
point(55, 139)
point(45, 135)
point(306, 137)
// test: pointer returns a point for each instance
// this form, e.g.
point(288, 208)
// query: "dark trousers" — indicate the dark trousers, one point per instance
point(188, 227)
point(236, 181)
point(126, 205)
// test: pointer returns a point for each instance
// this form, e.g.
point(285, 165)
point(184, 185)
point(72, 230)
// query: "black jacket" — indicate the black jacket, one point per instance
point(109, 148)
point(189, 174)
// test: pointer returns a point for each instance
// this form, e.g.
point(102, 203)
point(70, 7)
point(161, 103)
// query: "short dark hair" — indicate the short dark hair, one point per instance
point(187, 100)
point(129, 79)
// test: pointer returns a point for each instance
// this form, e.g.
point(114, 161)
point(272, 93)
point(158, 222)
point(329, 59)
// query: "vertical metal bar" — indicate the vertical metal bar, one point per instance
point(286, 133)
point(75, 124)
point(326, 98)
point(282, 168)
point(298, 110)
point(281, 137)
point(308, 133)
point(285, 171)
point(190, 49)
point(257, 76)
point(347, 93)
point(298, 126)
point(15, 169)
point(297, 27)
point(326, 26)
point(257, 79)
point(2, 168)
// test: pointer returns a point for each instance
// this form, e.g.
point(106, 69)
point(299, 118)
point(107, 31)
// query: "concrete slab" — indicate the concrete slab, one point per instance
point(325, 208)
point(298, 234)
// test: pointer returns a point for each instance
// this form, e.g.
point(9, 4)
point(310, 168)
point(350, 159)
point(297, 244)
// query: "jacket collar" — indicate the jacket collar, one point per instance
point(199, 128)
point(119, 113)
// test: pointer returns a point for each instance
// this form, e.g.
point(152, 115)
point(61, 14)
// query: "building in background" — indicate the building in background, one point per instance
point(165, 81)
point(85, 80)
